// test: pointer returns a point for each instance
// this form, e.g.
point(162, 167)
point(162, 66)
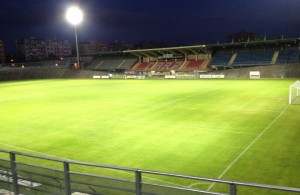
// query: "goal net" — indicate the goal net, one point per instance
point(294, 93)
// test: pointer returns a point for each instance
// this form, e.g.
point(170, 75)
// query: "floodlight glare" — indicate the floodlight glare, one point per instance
point(74, 15)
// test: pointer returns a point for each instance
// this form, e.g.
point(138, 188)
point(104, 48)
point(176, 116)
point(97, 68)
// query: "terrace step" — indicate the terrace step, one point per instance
point(232, 59)
point(275, 57)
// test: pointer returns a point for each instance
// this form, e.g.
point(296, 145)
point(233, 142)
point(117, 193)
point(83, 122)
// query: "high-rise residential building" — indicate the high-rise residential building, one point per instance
point(242, 36)
point(92, 46)
point(40, 49)
point(119, 46)
point(58, 48)
point(2, 52)
point(89, 47)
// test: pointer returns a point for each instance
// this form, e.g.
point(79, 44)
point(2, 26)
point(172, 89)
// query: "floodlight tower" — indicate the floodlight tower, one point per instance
point(74, 16)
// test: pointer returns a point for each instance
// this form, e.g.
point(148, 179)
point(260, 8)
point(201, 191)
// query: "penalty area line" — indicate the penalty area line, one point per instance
point(249, 146)
point(175, 101)
point(34, 151)
point(251, 100)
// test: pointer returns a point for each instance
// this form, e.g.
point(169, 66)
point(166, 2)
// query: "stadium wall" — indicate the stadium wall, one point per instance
point(29, 74)
point(271, 71)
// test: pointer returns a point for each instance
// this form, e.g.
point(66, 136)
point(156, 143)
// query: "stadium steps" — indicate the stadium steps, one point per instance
point(232, 59)
point(275, 57)
point(144, 66)
point(135, 66)
point(128, 64)
point(183, 65)
point(177, 65)
point(168, 66)
point(160, 66)
point(150, 65)
point(123, 62)
point(205, 64)
point(154, 66)
point(100, 63)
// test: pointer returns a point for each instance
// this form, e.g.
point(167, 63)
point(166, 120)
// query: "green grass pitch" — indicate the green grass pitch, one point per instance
point(241, 130)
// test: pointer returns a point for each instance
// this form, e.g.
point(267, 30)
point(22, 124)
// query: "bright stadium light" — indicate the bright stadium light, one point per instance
point(75, 16)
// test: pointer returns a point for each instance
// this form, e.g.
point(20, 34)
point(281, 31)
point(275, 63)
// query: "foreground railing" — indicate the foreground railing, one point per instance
point(31, 174)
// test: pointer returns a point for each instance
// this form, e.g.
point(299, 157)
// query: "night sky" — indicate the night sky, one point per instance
point(176, 22)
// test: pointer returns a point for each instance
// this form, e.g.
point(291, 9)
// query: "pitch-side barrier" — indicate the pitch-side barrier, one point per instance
point(22, 173)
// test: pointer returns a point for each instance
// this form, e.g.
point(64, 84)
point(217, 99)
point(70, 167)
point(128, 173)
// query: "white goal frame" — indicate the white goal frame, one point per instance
point(294, 88)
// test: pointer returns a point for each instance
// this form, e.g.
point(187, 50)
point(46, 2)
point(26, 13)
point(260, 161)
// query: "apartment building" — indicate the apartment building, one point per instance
point(40, 49)
point(2, 52)
point(92, 46)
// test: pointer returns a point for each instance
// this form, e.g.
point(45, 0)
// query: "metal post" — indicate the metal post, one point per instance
point(233, 189)
point(13, 167)
point(67, 178)
point(138, 182)
point(290, 95)
point(77, 50)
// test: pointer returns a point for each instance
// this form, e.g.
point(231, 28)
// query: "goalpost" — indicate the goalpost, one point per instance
point(294, 93)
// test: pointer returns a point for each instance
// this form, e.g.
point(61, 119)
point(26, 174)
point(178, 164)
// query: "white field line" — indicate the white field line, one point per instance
point(250, 101)
point(24, 149)
point(119, 171)
point(168, 103)
point(249, 146)
point(199, 183)
point(186, 97)
point(174, 184)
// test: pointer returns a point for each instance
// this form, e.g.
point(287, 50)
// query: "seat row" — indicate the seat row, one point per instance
point(178, 65)
point(255, 58)
point(111, 64)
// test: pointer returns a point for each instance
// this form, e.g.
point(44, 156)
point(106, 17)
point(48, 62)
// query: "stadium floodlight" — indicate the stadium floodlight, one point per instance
point(75, 16)
point(294, 93)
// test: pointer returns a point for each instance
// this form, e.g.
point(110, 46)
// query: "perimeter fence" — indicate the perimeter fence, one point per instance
point(22, 173)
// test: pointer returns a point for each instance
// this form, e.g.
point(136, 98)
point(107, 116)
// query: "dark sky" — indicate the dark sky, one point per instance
point(174, 22)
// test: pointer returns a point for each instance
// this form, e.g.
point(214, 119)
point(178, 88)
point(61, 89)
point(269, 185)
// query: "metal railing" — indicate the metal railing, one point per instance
point(23, 173)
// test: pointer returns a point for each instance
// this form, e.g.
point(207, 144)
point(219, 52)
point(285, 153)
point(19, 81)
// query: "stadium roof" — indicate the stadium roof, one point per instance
point(274, 42)
point(182, 50)
point(204, 49)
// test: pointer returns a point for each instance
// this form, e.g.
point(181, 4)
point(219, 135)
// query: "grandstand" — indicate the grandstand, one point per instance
point(253, 58)
point(221, 59)
point(187, 60)
point(288, 56)
point(111, 65)
point(205, 58)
